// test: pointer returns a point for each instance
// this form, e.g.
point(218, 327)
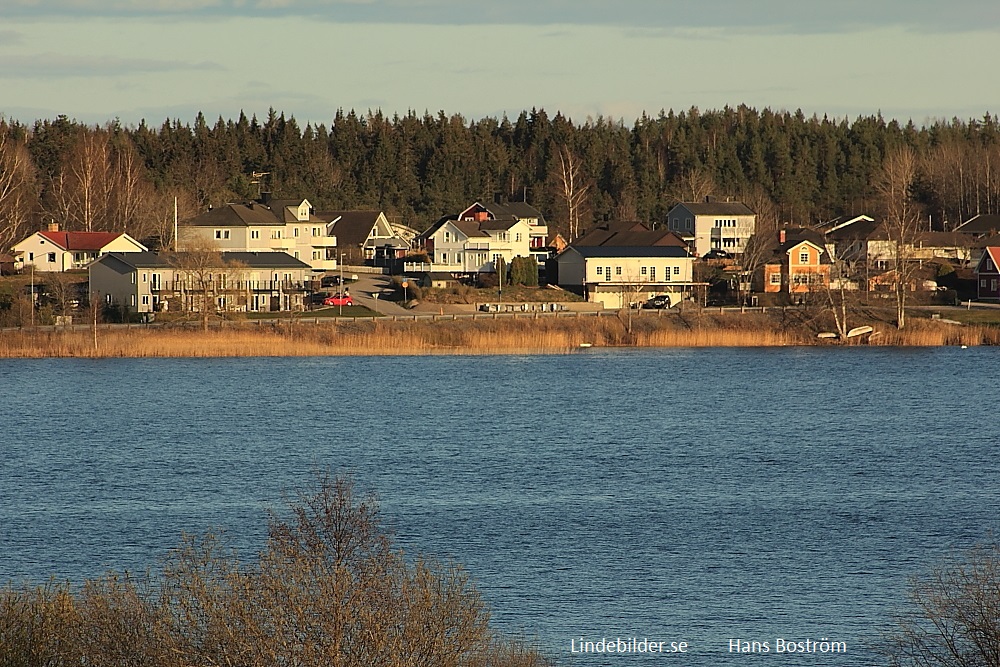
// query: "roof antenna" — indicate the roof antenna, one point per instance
point(256, 178)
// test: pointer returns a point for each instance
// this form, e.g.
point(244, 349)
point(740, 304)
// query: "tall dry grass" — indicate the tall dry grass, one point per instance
point(481, 336)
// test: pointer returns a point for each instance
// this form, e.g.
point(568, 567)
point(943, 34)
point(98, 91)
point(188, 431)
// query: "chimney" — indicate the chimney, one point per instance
point(782, 236)
point(53, 226)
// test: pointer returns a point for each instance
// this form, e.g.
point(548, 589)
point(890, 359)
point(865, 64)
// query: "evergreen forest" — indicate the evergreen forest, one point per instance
point(788, 167)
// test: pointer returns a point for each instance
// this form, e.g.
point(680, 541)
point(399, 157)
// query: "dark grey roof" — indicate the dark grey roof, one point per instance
point(351, 228)
point(859, 230)
point(717, 208)
point(236, 215)
point(253, 260)
point(980, 224)
point(630, 251)
point(513, 209)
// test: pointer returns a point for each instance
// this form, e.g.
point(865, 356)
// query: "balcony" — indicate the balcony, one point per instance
point(322, 241)
point(282, 244)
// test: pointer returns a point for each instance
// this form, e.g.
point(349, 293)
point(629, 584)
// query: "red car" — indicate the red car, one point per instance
point(338, 300)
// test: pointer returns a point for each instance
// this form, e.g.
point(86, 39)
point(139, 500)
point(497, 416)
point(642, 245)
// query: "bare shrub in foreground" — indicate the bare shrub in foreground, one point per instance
point(955, 616)
point(329, 589)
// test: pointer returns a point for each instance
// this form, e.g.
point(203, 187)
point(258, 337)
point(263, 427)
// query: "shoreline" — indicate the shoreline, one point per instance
point(461, 337)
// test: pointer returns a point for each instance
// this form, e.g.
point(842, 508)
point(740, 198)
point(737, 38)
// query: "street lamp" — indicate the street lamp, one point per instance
point(342, 292)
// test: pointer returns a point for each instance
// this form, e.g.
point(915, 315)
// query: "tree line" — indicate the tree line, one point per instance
point(788, 166)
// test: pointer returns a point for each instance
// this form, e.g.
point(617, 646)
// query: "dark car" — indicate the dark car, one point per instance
point(658, 301)
point(329, 281)
point(718, 253)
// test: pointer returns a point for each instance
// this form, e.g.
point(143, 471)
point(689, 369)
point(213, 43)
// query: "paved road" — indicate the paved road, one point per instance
point(370, 284)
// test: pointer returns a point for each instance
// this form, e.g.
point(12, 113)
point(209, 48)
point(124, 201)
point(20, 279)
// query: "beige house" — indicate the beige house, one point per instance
point(53, 250)
point(275, 225)
point(623, 276)
point(713, 225)
point(148, 282)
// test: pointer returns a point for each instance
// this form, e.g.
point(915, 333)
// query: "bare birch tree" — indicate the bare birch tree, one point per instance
point(902, 219)
point(18, 190)
point(572, 190)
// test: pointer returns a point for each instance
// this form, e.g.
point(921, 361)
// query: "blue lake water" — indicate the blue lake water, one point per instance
point(676, 495)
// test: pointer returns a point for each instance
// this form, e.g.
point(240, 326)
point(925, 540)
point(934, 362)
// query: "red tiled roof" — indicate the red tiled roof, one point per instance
point(80, 240)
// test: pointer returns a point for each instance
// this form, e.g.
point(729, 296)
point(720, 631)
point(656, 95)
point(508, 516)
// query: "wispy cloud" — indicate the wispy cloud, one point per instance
point(11, 38)
point(51, 65)
point(779, 15)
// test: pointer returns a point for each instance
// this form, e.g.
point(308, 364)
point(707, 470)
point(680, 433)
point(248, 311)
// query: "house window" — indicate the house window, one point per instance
point(444, 258)
point(643, 270)
point(804, 257)
point(775, 278)
point(517, 237)
point(131, 301)
point(652, 273)
point(993, 284)
point(255, 233)
point(982, 283)
point(600, 271)
point(677, 270)
point(296, 253)
point(221, 234)
point(618, 270)
point(607, 273)
point(145, 299)
point(317, 231)
point(52, 257)
point(316, 254)
point(31, 256)
point(295, 232)
point(447, 237)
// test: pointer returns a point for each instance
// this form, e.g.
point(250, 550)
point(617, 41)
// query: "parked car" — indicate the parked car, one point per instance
point(658, 301)
point(338, 300)
point(329, 281)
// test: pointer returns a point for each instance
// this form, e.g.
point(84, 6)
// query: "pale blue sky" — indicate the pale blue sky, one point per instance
point(95, 60)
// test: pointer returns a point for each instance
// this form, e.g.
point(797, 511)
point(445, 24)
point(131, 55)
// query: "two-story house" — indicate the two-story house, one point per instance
point(275, 225)
point(53, 250)
point(500, 211)
point(475, 239)
point(988, 274)
point(713, 225)
point(798, 264)
point(145, 282)
point(364, 236)
point(619, 264)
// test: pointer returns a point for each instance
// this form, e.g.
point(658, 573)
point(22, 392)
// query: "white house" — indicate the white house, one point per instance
point(620, 276)
point(713, 225)
point(275, 225)
point(474, 246)
point(53, 250)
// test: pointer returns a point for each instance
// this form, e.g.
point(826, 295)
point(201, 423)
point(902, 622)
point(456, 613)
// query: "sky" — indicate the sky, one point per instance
point(153, 60)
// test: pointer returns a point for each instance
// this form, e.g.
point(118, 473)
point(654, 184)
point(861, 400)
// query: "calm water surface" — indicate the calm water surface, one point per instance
point(679, 495)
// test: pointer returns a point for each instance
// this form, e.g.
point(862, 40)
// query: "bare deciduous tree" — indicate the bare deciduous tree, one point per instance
point(902, 220)
point(18, 190)
point(954, 617)
point(694, 186)
point(572, 190)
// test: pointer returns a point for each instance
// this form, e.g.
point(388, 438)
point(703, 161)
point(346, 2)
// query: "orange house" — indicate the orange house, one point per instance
point(799, 264)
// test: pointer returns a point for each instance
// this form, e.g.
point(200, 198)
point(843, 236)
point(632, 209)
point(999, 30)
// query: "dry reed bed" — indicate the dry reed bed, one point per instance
point(545, 336)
